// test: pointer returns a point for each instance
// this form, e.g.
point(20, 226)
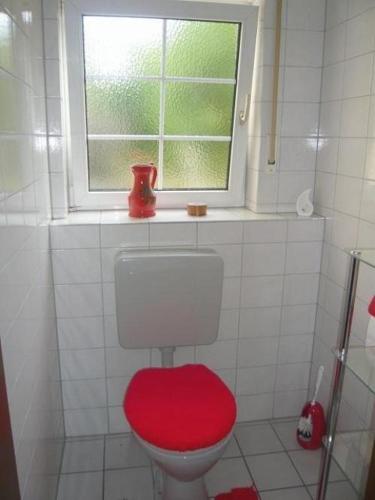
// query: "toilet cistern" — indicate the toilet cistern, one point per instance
point(166, 298)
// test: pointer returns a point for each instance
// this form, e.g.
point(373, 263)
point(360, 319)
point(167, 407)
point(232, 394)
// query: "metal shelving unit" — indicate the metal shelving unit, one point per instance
point(361, 362)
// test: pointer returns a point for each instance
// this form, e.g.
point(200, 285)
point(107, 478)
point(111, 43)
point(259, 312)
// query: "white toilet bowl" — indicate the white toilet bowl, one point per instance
point(184, 471)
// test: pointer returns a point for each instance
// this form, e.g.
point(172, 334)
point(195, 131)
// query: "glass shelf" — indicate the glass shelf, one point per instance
point(364, 255)
point(352, 452)
point(361, 362)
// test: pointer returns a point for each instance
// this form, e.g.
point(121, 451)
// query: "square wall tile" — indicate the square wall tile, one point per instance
point(257, 351)
point(117, 420)
point(261, 291)
point(109, 299)
point(296, 320)
point(265, 232)
point(300, 119)
point(75, 300)
point(301, 289)
point(79, 394)
point(210, 233)
point(125, 362)
point(86, 422)
point(82, 364)
point(124, 235)
point(263, 259)
point(65, 237)
point(116, 387)
point(173, 234)
point(292, 376)
point(289, 403)
point(304, 48)
point(309, 230)
point(302, 84)
point(81, 333)
point(303, 257)
point(256, 380)
point(232, 257)
point(260, 322)
point(297, 154)
point(231, 293)
point(254, 407)
point(228, 325)
point(220, 354)
point(76, 266)
point(295, 348)
point(306, 15)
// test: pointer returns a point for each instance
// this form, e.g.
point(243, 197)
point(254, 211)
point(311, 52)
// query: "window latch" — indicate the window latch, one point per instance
point(244, 114)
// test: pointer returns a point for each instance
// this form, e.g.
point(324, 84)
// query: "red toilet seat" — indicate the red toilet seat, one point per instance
point(182, 409)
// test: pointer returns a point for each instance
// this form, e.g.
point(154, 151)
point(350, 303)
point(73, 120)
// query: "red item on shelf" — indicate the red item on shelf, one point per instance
point(239, 494)
point(142, 200)
point(183, 408)
point(371, 307)
point(314, 414)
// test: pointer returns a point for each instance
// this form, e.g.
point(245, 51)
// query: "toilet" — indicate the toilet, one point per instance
point(182, 416)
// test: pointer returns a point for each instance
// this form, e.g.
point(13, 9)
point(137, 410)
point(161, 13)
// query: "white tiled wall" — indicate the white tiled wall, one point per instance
point(298, 110)
point(275, 189)
point(345, 187)
point(264, 346)
point(55, 129)
point(27, 311)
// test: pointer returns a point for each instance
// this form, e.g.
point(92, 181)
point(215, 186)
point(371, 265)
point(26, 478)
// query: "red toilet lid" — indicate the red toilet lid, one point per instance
point(181, 409)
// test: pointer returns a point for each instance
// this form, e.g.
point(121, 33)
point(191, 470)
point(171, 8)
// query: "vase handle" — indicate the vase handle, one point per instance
point(154, 176)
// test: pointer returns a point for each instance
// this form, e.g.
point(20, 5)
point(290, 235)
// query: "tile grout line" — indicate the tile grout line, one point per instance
point(287, 452)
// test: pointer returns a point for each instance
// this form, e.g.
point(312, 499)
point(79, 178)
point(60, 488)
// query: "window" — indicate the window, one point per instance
point(162, 84)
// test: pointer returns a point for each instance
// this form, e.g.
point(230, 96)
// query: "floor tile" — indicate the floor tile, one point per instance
point(307, 463)
point(286, 432)
point(286, 494)
point(228, 473)
point(232, 450)
point(124, 451)
point(85, 455)
point(128, 484)
point(273, 471)
point(341, 490)
point(82, 486)
point(255, 439)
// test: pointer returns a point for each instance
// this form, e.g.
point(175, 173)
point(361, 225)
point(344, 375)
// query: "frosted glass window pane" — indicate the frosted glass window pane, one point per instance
point(110, 162)
point(122, 46)
point(124, 88)
point(117, 106)
point(196, 164)
point(199, 109)
point(201, 49)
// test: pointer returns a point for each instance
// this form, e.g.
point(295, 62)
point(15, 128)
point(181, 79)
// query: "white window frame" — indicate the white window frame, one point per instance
point(80, 198)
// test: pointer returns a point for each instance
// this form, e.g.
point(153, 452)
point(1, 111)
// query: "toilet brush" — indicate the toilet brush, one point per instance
point(311, 426)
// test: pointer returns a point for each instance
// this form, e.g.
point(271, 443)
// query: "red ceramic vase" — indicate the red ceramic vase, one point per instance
point(142, 199)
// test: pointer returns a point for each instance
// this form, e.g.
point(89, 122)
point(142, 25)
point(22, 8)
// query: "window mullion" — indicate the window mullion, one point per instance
point(162, 106)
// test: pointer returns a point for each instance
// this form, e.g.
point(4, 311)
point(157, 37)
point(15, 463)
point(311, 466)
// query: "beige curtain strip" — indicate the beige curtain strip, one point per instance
point(275, 90)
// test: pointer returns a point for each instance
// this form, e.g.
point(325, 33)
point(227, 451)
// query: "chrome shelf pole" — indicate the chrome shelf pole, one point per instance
point(338, 374)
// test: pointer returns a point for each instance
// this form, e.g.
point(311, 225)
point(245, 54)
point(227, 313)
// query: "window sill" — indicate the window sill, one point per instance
point(176, 215)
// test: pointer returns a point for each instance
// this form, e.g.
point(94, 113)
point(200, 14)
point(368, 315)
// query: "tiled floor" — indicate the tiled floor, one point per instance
point(115, 467)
